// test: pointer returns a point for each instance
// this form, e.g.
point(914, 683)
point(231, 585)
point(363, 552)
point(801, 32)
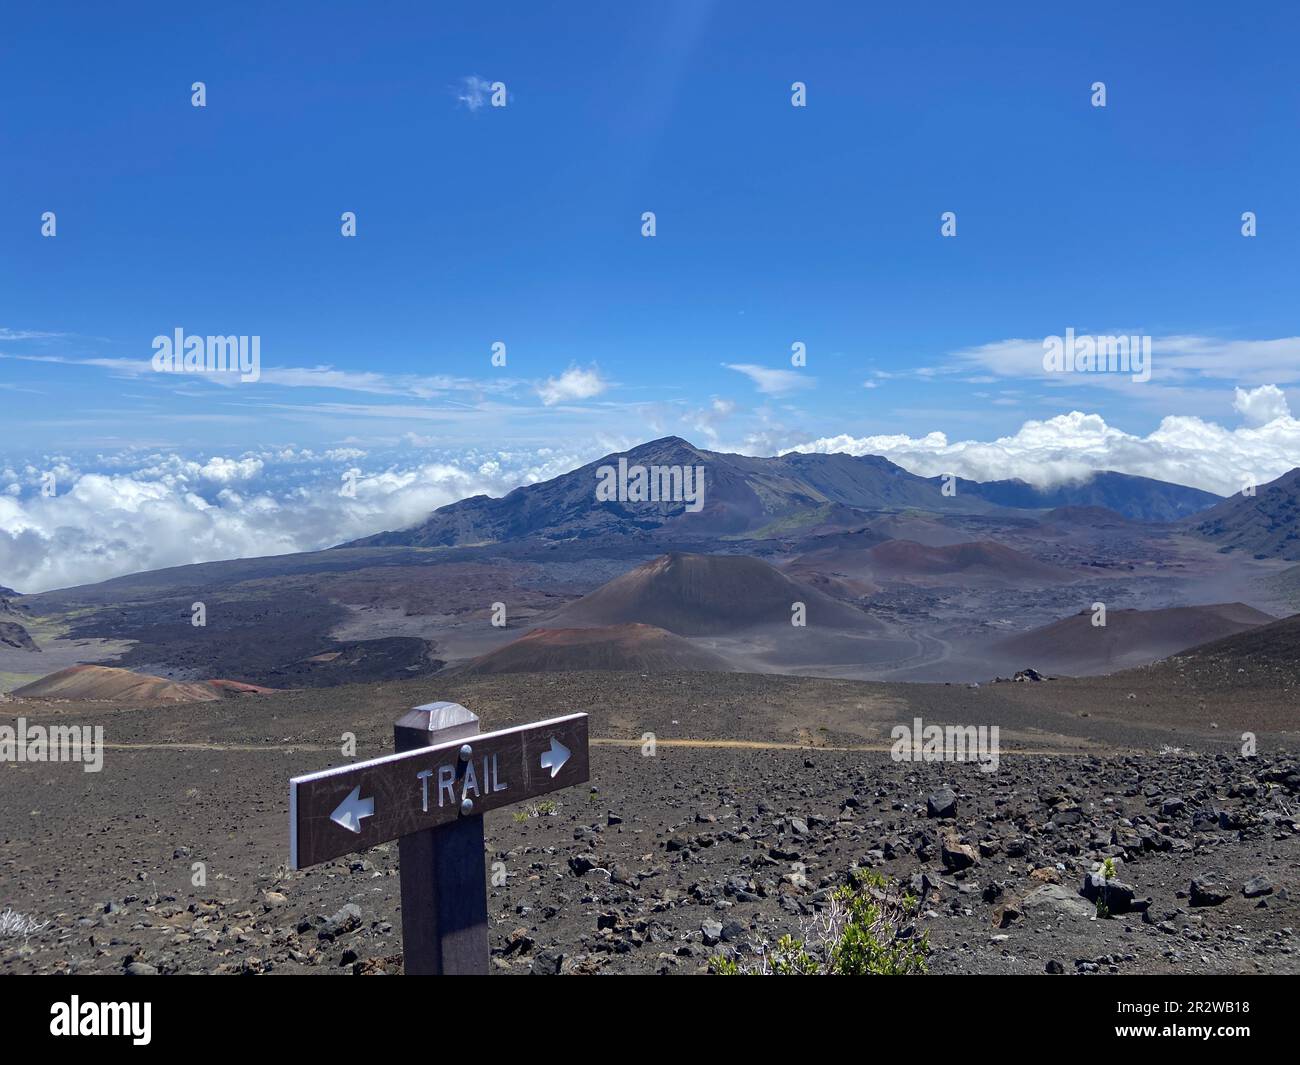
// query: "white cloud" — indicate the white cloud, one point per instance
point(1070, 447)
point(224, 471)
point(474, 92)
point(573, 385)
point(772, 382)
point(1262, 405)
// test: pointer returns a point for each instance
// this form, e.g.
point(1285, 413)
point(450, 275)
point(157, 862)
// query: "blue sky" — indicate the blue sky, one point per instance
point(522, 224)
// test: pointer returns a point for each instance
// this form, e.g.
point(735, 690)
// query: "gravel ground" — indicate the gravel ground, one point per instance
point(716, 844)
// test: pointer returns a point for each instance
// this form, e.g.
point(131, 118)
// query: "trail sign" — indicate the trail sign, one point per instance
point(430, 796)
point(354, 807)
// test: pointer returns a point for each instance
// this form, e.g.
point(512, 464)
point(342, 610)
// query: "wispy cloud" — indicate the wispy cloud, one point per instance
point(772, 382)
point(327, 377)
point(473, 92)
point(25, 334)
point(1175, 359)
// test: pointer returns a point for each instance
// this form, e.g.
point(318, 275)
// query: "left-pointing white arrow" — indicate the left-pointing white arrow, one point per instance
point(352, 809)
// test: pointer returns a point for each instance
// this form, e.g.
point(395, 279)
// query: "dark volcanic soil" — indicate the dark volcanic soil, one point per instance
point(728, 835)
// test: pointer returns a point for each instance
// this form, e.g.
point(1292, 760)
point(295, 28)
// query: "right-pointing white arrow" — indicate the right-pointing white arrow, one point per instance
point(555, 757)
point(352, 809)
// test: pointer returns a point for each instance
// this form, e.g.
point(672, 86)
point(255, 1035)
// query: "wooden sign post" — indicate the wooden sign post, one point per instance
point(431, 796)
point(444, 904)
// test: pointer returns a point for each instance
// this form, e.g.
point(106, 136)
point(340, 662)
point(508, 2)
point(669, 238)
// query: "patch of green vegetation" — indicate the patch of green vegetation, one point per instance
point(10, 681)
point(868, 930)
point(788, 524)
point(544, 808)
point(45, 628)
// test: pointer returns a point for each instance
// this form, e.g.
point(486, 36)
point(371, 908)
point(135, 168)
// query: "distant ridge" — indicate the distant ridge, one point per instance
point(746, 496)
point(742, 495)
point(1136, 498)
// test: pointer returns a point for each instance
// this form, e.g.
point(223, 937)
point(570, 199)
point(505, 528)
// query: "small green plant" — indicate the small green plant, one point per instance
point(788, 958)
point(873, 940)
point(544, 808)
point(867, 930)
point(1107, 872)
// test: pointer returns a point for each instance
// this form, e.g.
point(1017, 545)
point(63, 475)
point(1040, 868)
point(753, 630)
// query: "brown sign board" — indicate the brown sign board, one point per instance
point(352, 807)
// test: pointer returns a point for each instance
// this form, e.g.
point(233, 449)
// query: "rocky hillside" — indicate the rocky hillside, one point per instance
point(1265, 525)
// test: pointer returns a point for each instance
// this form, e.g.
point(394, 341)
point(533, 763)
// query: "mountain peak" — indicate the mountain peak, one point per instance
point(666, 447)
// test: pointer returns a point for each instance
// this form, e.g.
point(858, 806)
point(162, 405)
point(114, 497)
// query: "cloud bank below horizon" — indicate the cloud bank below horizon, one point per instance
point(138, 511)
point(1071, 447)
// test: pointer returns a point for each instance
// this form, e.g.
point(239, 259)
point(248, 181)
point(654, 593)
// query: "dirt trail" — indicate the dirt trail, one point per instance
point(775, 745)
point(597, 741)
point(283, 747)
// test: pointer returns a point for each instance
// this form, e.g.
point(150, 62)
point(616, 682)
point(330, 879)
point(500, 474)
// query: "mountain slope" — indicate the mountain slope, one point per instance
point(1265, 525)
point(1268, 655)
point(634, 647)
point(1136, 498)
point(1086, 517)
point(111, 683)
point(1075, 646)
point(700, 595)
point(13, 633)
point(16, 636)
point(982, 559)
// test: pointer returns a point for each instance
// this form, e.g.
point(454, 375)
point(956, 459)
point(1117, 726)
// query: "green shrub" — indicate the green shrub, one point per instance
point(867, 930)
